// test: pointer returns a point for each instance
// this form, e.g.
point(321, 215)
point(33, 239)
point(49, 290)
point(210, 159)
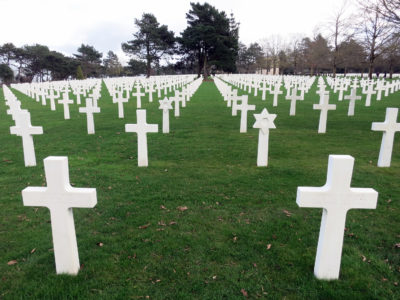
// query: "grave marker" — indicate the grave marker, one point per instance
point(24, 129)
point(264, 121)
point(389, 128)
point(141, 128)
point(336, 198)
point(60, 197)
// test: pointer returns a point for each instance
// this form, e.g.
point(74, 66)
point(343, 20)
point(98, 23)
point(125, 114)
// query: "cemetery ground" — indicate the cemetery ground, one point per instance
point(202, 221)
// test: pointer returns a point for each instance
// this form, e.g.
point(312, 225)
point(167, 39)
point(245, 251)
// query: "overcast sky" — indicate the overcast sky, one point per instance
point(63, 25)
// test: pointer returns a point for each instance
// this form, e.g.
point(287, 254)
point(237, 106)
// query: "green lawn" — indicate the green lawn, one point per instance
point(219, 247)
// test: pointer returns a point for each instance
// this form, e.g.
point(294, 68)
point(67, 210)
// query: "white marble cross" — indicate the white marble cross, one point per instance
point(293, 97)
point(52, 96)
point(336, 197)
point(66, 101)
point(264, 121)
point(165, 105)
point(176, 101)
point(138, 96)
point(24, 129)
point(264, 88)
point(118, 98)
point(352, 98)
point(244, 107)
point(141, 128)
point(369, 92)
point(389, 128)
point(324, 106)
point(89, 110)
point(60, 197)
point(342, 88)
point(276, 92)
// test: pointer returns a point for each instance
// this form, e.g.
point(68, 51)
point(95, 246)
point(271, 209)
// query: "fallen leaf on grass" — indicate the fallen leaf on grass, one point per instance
point(182, 208)
point(363, 258)
point(33, 250)
point(12, 262)
point(244, 293)
point(287, 213)
point(144, 226)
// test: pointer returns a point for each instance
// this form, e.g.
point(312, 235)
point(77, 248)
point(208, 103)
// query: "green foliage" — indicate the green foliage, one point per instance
point(6, 74)
point(136, 67)
point(79, 73)
point(250, 59)
point(112, 66)
point(212, 37)
point(90, 60)
point(219, 245)
point(7, 52)
point(151, 41)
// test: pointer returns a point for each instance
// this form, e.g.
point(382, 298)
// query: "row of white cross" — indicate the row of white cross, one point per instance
point(336, 197)
point(59, 196)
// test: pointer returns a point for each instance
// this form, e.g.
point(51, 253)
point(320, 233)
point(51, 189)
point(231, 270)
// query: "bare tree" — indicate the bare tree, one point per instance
point(272, 45)
point(338, 29)
point(374, 31)
point(390, 10)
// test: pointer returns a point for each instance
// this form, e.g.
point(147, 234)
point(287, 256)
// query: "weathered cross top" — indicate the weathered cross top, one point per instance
point(324, 106)
point(369, 92)
point(336, 197)
point(244, 107)
point(138, 95)
point(352, 98)
point(24, 129)
point(150, 90)
point(66, 101)
point(341, 89)
point(165, 105)
point(118, 98)
point(52, 96)
point(176, 99)
point(141, 128)
point(180, 95)
point(78, 92)
point(264, 122)
point(293, 97)
point(276, 92)
point(60, 197)
point(389, 128)
point(89, 110)
point(264, 87)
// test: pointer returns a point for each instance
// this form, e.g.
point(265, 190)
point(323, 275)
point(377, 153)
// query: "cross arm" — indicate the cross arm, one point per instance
point(311, 196)
point(364, 198)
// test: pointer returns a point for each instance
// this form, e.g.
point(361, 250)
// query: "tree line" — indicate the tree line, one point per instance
point(368, 41)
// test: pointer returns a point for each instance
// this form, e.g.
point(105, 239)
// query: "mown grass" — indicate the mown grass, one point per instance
point(218, 247)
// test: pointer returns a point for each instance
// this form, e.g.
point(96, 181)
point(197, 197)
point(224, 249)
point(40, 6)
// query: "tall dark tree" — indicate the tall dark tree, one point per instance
point(60, 66)
point(136, 67)
point(36, 61)
point(6, 74)
point(212, 37)
point(90, 60)
point(112, 66)
point(7, 52)
point(151, 41)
